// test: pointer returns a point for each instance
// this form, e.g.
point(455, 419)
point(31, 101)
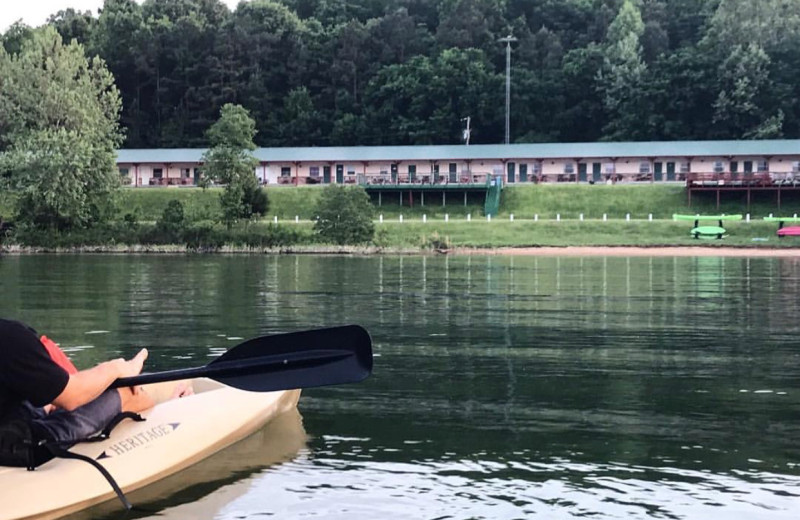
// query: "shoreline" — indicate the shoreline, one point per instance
point(677, 251)
point(618, 251)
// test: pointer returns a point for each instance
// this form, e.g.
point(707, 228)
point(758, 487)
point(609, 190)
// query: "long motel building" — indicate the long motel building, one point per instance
point(699, 164)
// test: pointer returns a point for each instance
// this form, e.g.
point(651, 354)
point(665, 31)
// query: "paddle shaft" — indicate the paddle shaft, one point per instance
point(260, 365)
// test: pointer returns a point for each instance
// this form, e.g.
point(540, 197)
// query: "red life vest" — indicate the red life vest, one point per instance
point(58, 356)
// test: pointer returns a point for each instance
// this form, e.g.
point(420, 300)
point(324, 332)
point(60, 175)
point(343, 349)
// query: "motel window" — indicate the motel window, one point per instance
point(384, 171)
point(313, 171)
point(536, 168)
point(158, 173)
point(185, 173)
point(718, 167)
point(795, 166)
point(610, 168)
point(762, 166)
point(569, 167)
point(286, 171)
point(351, 170)
point(123, 172)
point(684, 167)
point(644, 167)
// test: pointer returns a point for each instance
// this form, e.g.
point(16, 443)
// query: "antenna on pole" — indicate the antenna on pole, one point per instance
point(507, 40)
point(466, 132)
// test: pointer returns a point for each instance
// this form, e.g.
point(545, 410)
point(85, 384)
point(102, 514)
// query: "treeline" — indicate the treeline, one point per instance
point(381, 72)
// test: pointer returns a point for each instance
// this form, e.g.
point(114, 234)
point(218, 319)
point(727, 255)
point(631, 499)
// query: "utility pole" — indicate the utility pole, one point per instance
point(507, 40)
point(467, 130)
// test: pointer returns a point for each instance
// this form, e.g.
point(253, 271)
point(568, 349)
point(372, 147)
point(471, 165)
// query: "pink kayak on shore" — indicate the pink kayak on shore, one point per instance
point(790, 231)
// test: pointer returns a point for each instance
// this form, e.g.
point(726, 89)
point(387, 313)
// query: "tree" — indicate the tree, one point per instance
point(230, 161)
point(739, 109)
point(59, 131)
point(344, 215)
point(72, 24)
point(764, 22)
point(622, 75)
point(302, 121)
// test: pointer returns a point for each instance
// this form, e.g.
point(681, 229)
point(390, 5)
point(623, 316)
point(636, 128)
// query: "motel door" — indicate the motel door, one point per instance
point(511, 174)
point(658, 171)
point(582, 172)
point(326, 174)
point(597, 169)
point(734, 170)
point(670, 171)
point(452, 172)
point(748, 167)
point(523, 173)
point(339, 174)
point(394, 173)
point(412, 173)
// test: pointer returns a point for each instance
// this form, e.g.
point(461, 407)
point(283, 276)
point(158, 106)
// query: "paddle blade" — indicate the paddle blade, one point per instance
point(304, 359)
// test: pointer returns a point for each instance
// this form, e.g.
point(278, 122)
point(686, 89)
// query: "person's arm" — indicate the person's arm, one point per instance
point(87, 385)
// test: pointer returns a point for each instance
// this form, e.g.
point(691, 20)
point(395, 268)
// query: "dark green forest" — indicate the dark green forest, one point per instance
point(400, 72)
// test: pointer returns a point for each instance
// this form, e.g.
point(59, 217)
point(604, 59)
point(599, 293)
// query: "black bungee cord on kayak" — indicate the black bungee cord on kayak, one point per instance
point(61, 450)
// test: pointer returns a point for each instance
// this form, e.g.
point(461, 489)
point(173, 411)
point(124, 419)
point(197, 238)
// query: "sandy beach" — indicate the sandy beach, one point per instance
point(632, 251)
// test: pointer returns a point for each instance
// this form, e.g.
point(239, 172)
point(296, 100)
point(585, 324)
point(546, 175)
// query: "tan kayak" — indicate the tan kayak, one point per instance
point(202, 491)
point(176, 434)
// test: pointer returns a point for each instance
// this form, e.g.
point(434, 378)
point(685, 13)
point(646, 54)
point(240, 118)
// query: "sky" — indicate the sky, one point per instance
point(36, 12)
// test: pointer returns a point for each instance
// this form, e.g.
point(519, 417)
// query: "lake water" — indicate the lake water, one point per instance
point(504, 387)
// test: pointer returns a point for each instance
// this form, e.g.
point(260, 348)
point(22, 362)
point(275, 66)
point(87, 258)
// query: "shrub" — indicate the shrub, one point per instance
point(272, 235)
point(172, 224)
point(203, 237)
point(344, 215)
point(255, 199)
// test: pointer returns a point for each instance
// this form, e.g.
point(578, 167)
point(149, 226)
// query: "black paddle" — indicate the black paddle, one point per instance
point(303, 359)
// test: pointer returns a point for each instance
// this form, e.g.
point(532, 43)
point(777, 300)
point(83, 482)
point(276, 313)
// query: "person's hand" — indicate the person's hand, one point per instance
point(133, 366)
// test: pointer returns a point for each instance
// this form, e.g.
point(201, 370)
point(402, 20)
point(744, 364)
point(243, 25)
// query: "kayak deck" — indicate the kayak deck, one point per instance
point(176, 434)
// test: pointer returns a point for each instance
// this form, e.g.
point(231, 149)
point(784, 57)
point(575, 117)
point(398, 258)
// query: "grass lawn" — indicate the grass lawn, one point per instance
point(527, 233)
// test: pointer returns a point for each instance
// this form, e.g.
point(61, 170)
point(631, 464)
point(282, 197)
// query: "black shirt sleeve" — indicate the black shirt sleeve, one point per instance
point(26, 370)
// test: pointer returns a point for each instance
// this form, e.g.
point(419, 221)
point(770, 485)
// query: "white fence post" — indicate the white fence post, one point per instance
point(558, 217)
point(605, 217)
point(469, 217)
point(536, 218)
point(401, 218)
point(511, 217)
point(296, 219)
point(489, 217)
point(275, 219)
point(628, 216)
point(650, 217)
point(380, 218)
point(446, 217)
point(581, 217)
point(424, 218)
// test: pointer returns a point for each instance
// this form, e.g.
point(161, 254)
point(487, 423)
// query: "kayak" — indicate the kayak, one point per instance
point(202, 491)
point(176, 434)
point(708, 232)
point(789, 231)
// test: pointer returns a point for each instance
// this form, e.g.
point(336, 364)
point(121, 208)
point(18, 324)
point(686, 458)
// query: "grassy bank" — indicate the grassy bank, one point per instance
point(415, 235)
point(524, 202)
point(660, 200)
point(545, 200)
point(502, 233)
